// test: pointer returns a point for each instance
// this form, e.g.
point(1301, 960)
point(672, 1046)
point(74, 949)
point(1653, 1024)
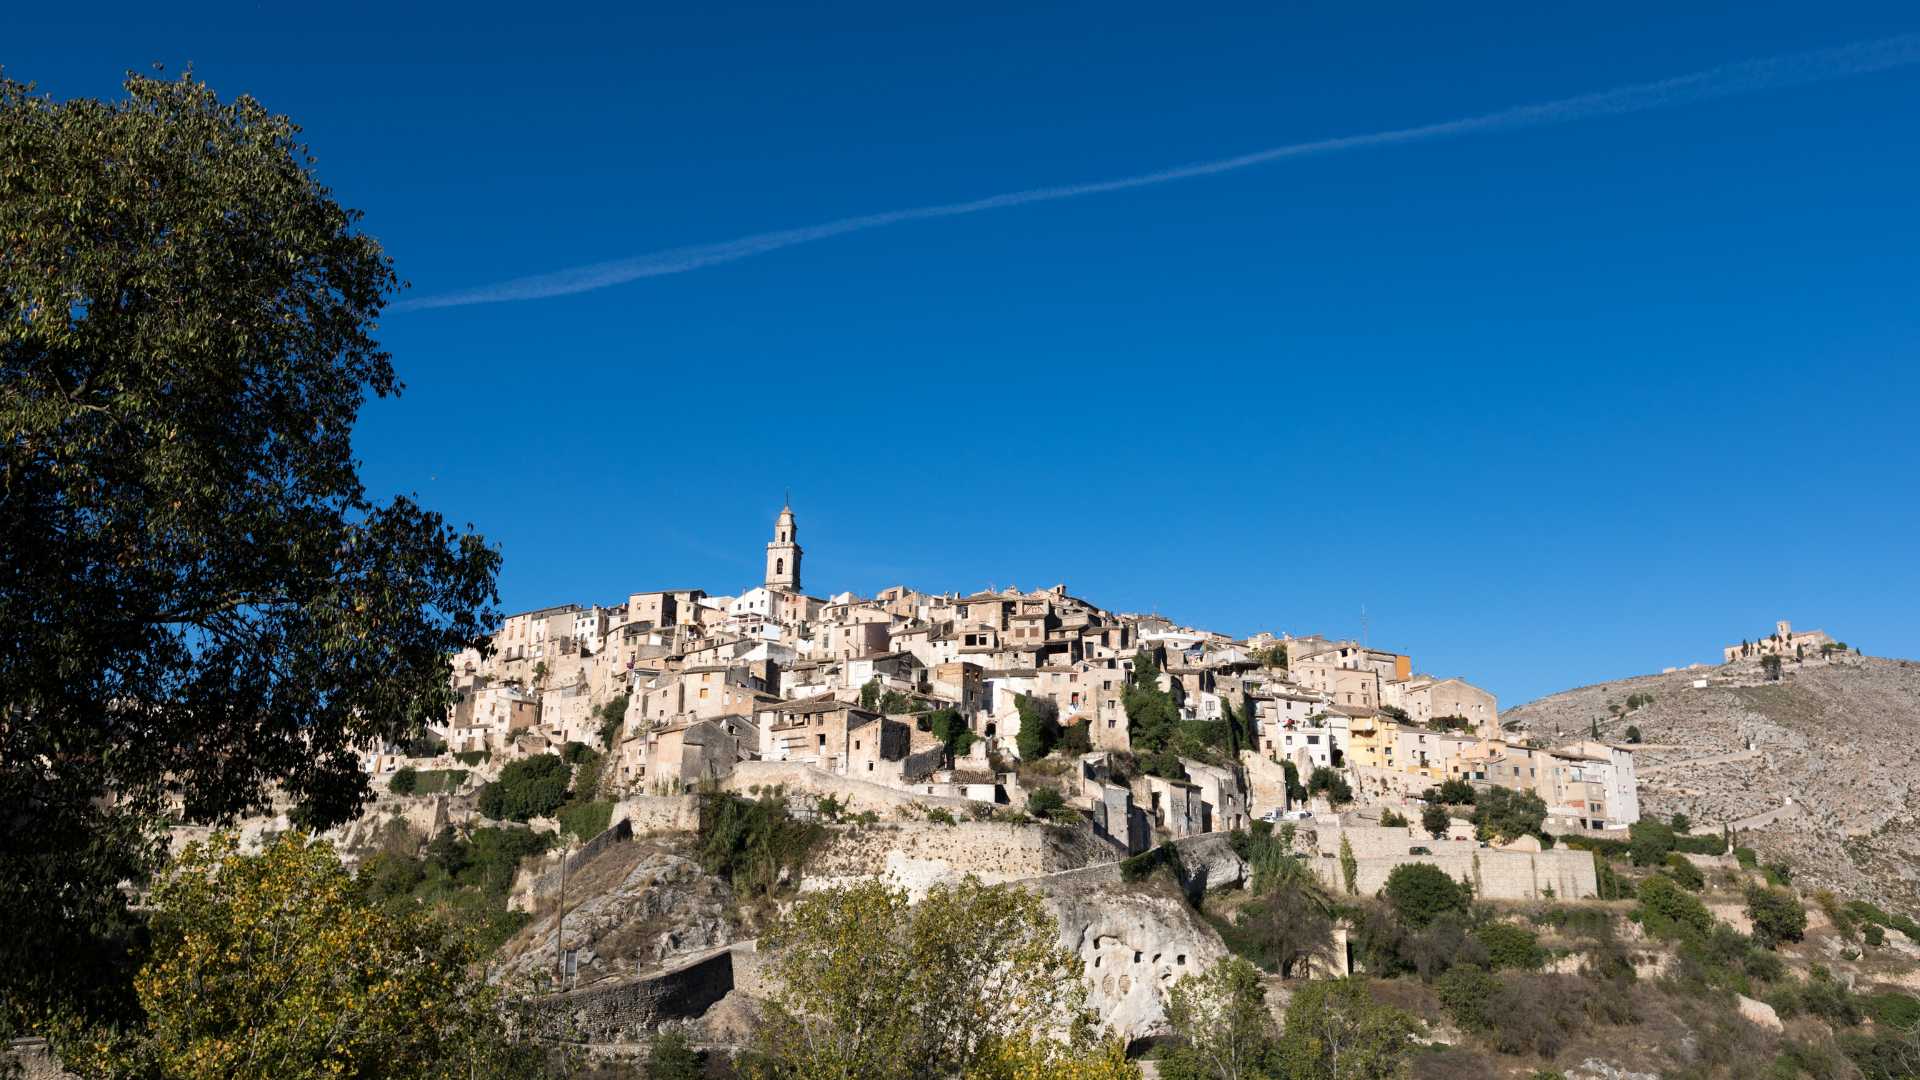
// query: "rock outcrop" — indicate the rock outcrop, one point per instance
point(638, 907)
point(1135, 941)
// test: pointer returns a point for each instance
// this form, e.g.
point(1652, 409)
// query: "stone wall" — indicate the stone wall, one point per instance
point(629, 1009)
point(1495, 874)
point(859, 794)
point(659, 813)
point(918, 855)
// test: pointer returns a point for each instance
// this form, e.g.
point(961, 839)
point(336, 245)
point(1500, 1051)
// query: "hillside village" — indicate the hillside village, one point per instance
point(931, 694)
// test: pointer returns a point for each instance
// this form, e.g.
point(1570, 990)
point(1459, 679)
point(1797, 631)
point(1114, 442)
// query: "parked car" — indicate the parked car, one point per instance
point(1272, 816)
point(1419, 851)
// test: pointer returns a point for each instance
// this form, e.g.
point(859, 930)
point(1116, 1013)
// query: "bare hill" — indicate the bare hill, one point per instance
point(1821, 768)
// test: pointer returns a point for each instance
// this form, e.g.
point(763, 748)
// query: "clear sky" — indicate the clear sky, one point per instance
point(1553, 403)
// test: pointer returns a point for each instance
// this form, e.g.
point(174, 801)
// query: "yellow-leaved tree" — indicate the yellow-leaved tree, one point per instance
point(970, 981)
point(278, 965)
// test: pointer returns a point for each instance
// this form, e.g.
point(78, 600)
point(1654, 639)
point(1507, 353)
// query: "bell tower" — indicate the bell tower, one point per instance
point(783, 553)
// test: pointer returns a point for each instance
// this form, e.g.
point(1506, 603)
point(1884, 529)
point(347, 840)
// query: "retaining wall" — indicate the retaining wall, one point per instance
point(628, 1009)
point(1495, 874)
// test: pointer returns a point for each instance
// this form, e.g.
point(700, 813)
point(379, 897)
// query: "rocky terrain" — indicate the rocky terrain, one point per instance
point(1820, 768)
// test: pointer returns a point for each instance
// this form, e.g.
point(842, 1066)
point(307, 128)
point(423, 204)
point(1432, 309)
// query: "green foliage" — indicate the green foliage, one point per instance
point(1436, 820)
point(471, 758)
point(753, 843)
point(1609, 885)
point(587, 819)
point(1465, 993)
point(1706, 844)
point(1335, 1030)
point(1777, 916)
point(405, 779)
point(439, 781)
point(613, 719)
point(1668, 911)
point(951, 729)
point(528, 787)
point(1453, 792)
point(1039, 726)
point(1296, 791)
point(971, 980)
point(1151, 714)
point(1510, 945)
point(1684, 872)
point(940, 815)
point(1141, 866)
point(1649, 842)
point(1047, 802)
point(187, 336)
point(1633, 733)
point(1505, 815)
point(1746, 857)
point(1420, 892)
point(1221, 1023)
point(1892, 1009)
point(1681, 823)
point(1328, 782)
point(672, 1057)
point(426, 744)
point(870, 694)
point(1349, 865)
point(1392, 819)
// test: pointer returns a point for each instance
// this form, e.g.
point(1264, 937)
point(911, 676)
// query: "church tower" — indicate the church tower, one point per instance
point(783, 554)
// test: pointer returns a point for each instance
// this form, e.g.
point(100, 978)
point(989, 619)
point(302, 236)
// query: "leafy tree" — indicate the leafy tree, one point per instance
point(754, 843)
point(1668, 911)
point(199, 604)
point(1510, 945)
point(1505, 815)
point(1682, 823)
point(1633, 733)
point(1046, 802)
point(1039, 726)
point(672, 1057)
point(1336, 1031)
point(1349, 866)
point(870, 694)
point(1453, 792)
point(869, 985)
point(1289, 924)
point(1777, 916)
point(1328, 782)
point(613, 719)
point(1392, 819)
point(1151, 713)
point(1296, 791)
point(528, 787)
point(280, 965)
point(1649, 842)
point(1222, 1022)
point(405, 781)
point(1683, 872)
point(1420, 892)
point(951, 729)
point(1770, 664)
point(1436, 821)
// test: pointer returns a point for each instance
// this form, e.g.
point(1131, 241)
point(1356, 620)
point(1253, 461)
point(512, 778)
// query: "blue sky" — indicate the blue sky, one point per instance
point(1554, 405)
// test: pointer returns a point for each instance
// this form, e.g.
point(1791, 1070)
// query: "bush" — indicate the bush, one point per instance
point(1777, 916)
point(470, 758)
point(1389, 819)
point(1633, 733)
point(1506, 815)
point(1465, 993)
point(1039, 727)
point(586, 820)
point(755, 844)
point(1326, 781)
point(1684, 872)
point(1509, 945)
point(1140, 866)
point(1746, 857)
point(1421, 891)
point(1706, 844)
point(1892, 1009)
point(1668, 911)
point(1045, 802)
point(1649, 842)
point(1454, 792)
point(1436, 820)
point(528, 788)
point(404, 781)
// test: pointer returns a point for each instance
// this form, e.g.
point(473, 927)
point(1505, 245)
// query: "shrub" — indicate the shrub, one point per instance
point(1506, 815)
point(1746, 857)
point(470, 758)
point(1436, 820)
point(1392, 820)
point(1777, 916)
point(940, 815)
point(404, 781)
point(528, 788)
point(1421, 891)
point(1140, 866)
point(1039, 727)
point(755, 844)
point(1684, 872)
point(1509, 945)
point(1706, 844)
point(1668, 911)
point(586, 820)
point(1454, 792)
point(1633, 733)
point(1892, 1009)
point(1465, 993)
point(1045, 802)
point(1649, 842)
point(1332, 784)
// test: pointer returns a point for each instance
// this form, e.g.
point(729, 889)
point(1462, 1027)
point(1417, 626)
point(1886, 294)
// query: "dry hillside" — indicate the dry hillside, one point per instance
point(1820, 768)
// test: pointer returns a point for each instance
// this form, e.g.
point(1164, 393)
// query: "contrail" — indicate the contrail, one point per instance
point(1748, 77)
